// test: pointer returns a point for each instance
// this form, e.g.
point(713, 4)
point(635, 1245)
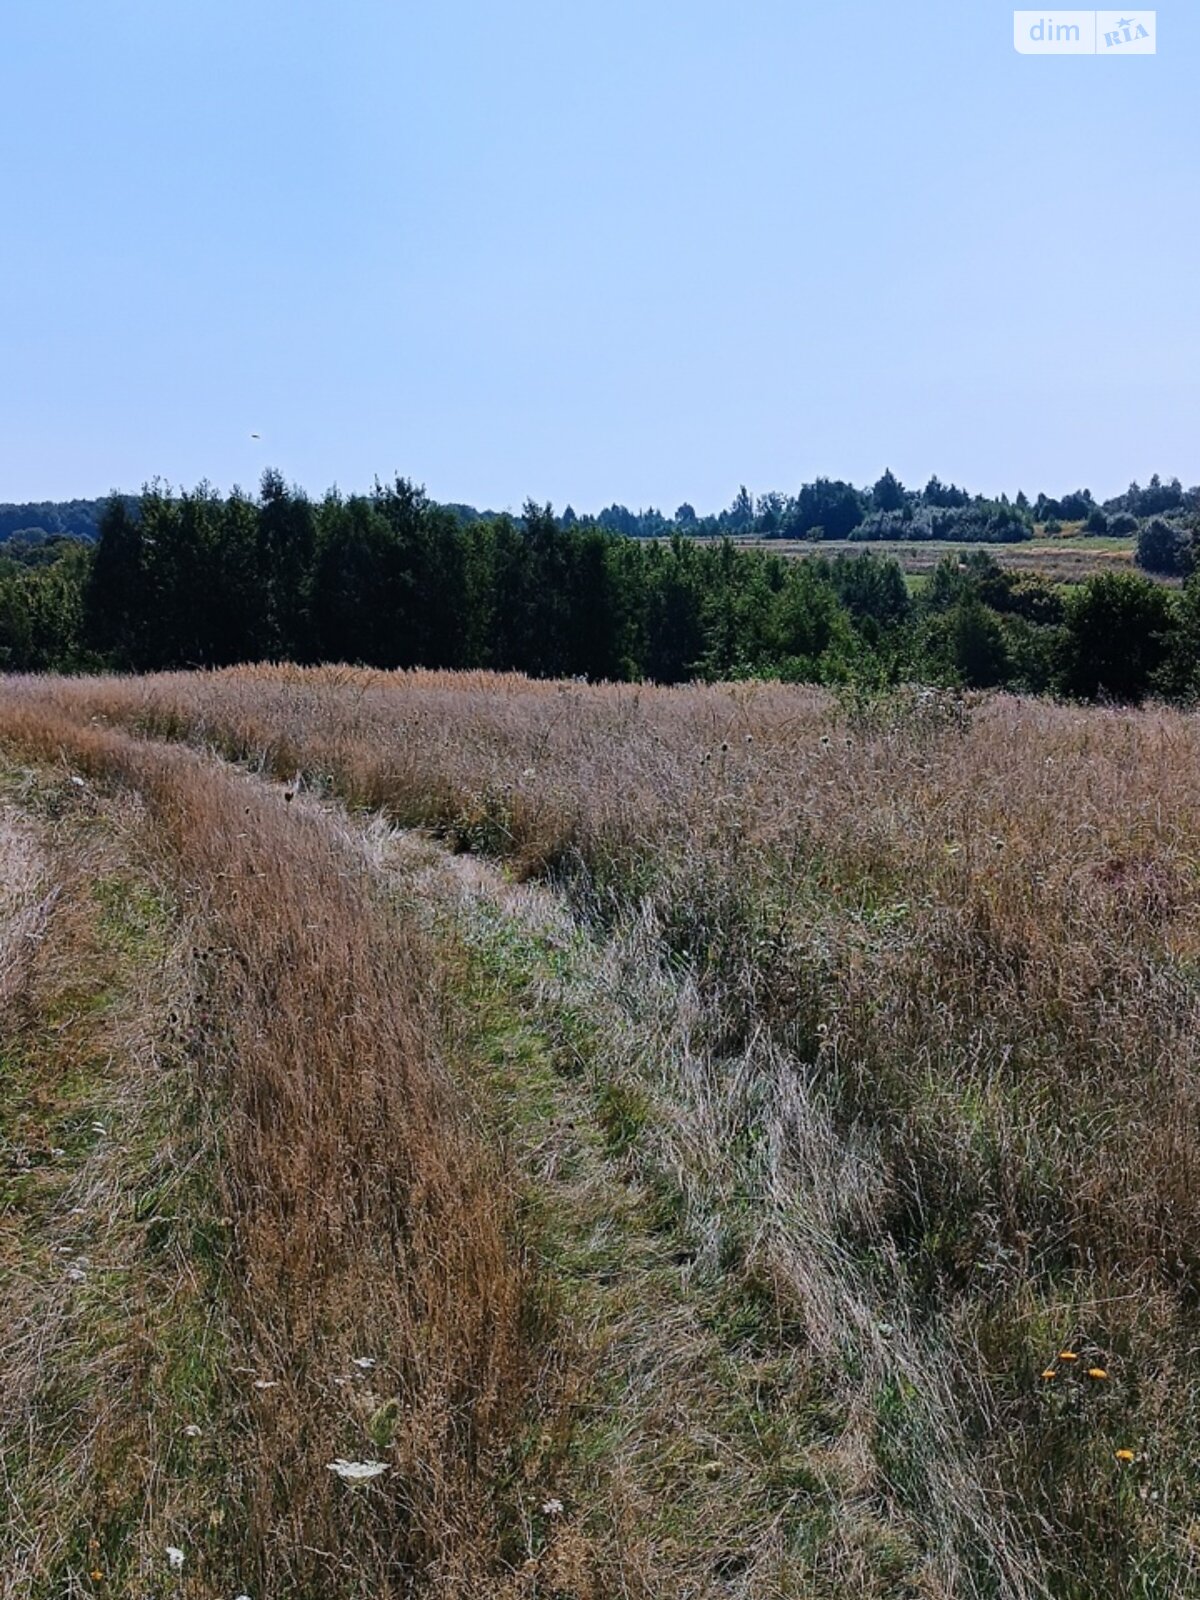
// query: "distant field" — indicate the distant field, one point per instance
point(1061, 560)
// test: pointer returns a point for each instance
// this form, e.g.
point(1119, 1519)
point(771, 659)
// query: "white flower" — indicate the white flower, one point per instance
point(266, 1383)
point(175, 1558)
point(364, 1362)
point(552, 1508)
point(357, 1471)
point(191, 1431)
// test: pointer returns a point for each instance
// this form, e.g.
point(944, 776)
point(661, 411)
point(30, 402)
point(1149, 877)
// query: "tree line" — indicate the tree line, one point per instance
point(826, 509)
point(196, 579)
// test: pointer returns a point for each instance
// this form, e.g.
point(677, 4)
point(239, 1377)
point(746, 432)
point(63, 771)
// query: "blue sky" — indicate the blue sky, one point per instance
point(637, 250)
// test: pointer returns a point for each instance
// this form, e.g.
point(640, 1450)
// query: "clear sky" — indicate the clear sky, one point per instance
point(592, 250)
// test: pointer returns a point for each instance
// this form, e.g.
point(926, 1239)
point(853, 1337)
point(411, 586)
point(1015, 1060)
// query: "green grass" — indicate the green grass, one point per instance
point(726, 1468)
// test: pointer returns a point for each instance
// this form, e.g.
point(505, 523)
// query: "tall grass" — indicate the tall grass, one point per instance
point(941, 1057)
point(364, 1217)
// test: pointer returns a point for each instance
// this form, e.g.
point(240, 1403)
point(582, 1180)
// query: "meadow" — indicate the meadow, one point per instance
point(693, 1142)
point(1067, 559)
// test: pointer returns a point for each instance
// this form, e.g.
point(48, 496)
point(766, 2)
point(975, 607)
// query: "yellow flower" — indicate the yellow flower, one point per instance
point(1097, 1372)
point(96, 1576)
point(1124, 1455)
point(1067, 1355)
point(1049, 1373)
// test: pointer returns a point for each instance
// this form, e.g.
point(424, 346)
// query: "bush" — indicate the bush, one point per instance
point(1165, 547)
point(978, 650)
point(985, 522)
point(1116, 637)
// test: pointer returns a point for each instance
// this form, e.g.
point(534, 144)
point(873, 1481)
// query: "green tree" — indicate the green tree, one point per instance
point(1116, 637)
point(887, 493)
point(287, 541)
point(1164, 547)
point(115, 601)
point(809, 627)
point(672, 616)
point(978, 651)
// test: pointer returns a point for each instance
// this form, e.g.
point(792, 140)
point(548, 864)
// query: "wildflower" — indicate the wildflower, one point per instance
point(1067, 1355)
point(552, 1508)
point(1050, 1372)
point(1097, 1372)
point(96, 1575)
point(175, 1558)
point(357, 1471)
point(191, 1431)
point(364, 1363)
point(1125, 1456)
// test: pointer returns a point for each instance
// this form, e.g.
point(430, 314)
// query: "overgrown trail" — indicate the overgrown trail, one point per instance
point(694, 1450)
point(248, 1227)
point(677, 1444)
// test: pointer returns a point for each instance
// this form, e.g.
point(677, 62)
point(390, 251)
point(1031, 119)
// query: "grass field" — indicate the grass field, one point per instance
point(706, 1142)
point(1059, 559)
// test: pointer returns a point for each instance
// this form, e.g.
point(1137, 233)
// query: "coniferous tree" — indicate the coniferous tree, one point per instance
point(115, 600)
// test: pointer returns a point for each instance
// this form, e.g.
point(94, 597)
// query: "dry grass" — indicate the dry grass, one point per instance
point(918, 988)
point(357, 1213)
point(103, 1307)
point(1058, 559)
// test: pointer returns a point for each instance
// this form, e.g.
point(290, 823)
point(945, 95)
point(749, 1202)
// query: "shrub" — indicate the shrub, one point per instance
point(1116, 637)
point(1165, 547)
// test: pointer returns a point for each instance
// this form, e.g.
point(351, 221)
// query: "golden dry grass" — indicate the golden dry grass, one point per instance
point(920, 1068)
point(1057, 559)
point(357, 1214)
